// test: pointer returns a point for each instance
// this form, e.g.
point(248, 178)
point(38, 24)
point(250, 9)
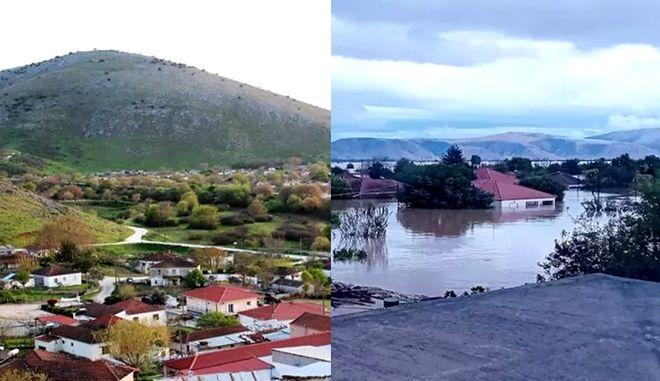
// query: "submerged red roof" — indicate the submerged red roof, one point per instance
point(222, 293)
point(504, 186)
point(509, 191)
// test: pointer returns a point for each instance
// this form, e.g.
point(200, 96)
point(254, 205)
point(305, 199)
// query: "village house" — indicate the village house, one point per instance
point(284, 312)
point(308, 357)
point(129, 309)
point(64, 367)
point(507, 194)
point(310, 323)
point(224, 299)
point(211, 339)
point(289, 286)
point(56, 276)
point(82, 340)
point(170, 271)
point(144, 264)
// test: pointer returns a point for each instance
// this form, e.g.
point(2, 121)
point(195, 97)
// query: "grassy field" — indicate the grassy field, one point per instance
point(118, 271)
point(22, 214)
point(43, 294)
point(107, 210)
point(138, 249)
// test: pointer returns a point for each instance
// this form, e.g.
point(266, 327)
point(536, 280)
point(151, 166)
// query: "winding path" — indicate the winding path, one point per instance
point(139, 233)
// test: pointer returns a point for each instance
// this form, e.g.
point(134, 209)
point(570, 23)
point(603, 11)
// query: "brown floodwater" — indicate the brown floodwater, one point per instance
point(429, 251)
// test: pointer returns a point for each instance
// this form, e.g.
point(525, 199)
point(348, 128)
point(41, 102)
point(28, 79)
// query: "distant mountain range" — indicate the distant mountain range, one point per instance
point(636, 143)
point(100, 110)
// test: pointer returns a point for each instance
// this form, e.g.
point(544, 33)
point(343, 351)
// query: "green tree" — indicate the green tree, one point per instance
point(214, 319)
point(321, 244)
point(191, 199)
point(440, 186)
point(204, 217)
point(135, 344)
point(256, 208)
point(453, 156)
point(475, 160)
point(195, 279)
point(544, 184)
point(378, 171)
point(628, 245)
point(160, 214)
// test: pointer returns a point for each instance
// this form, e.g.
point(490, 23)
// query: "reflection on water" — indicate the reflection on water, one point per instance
point(429, 251)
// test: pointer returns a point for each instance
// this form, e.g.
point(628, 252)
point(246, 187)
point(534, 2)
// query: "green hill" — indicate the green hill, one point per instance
point(108, 110)
point(22, 213)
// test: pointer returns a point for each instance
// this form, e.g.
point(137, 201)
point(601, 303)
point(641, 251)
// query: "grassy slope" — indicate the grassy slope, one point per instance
point(22, 213)
point(103, 110)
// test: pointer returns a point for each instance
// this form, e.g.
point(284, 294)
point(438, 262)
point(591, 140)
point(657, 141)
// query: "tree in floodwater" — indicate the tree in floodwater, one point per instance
point(440, 186)
point(367, 223)
point(628, 245)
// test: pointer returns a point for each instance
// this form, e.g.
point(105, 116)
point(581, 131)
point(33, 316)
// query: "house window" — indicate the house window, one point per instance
point(548, 202)
point(156, 317)
point(531, 204)
point(230, 308)
point(72, 343)
point(42, 348)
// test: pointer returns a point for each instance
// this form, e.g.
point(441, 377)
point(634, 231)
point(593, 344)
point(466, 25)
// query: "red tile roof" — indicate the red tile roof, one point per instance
point(509, 191)
point(213, 332)
point(484, 173)
point(64, 367)
point(238, 366)
point(378, 186)
point(313, 321)
point(46, 338)
point(54, 270)
point(102, 322)
point(283, 311)
point(202, 363)
point(78, 333)
point(222, 293)
point(58, 319)
point(132, 307)
point(97, 309)
point(174, 263)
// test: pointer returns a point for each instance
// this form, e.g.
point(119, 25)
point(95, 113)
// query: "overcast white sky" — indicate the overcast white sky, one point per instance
point(449, 68)
point(282, 46)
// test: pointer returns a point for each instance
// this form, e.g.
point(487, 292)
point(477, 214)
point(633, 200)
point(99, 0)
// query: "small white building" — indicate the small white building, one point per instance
point(144, 264)
point(56, 276)
point(79, 341)
point(170, 271)
point(129, 309)
point(507, 193)
point(224, 299)
point(289, 286)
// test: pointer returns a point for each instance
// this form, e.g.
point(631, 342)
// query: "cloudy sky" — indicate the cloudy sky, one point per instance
point(437, 68)
point(282, 46)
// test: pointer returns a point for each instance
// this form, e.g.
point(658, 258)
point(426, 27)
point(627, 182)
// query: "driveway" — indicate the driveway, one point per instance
point(107, 284)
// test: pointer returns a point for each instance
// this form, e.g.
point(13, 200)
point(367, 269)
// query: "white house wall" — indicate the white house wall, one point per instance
point(59, 280)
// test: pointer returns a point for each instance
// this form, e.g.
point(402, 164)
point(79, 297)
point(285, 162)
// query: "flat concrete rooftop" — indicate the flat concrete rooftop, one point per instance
point(594, 327)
